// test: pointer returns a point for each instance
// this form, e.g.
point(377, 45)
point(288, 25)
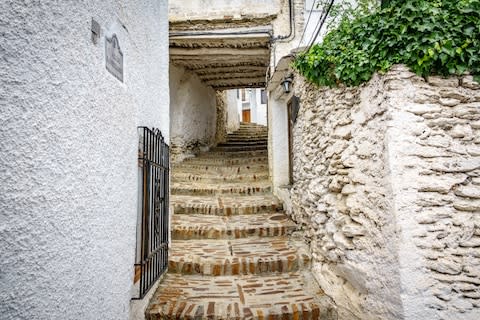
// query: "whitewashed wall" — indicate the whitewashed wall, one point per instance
point(68, 145)
point(233, 115)
point(192, 114)
point(218, 9)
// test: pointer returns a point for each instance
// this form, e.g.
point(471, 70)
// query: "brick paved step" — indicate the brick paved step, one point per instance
point(187, 227)
point(218, 168)
point(225, 205)
point(230, 148)
point(238, 154)
point(253, 255)
point(276, 297)
point(262, 142)
point(199, 188)
point(228, 161)
point(216, 178)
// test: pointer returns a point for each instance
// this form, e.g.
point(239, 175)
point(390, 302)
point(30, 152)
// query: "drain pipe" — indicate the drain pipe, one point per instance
point(286, 38)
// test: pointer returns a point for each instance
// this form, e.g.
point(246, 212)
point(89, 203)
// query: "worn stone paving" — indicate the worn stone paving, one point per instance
point(234, 253)
point(232, 227)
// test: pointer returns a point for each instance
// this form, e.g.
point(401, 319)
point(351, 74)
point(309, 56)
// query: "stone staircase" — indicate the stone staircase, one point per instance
point(233, 255)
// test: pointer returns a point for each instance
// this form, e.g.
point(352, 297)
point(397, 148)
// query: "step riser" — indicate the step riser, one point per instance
point(244, 266)
point(220, 155)
point(216, 180)
point(178, 209)
point(193, 233)
point(192, 311)
point(229, 161)
point(243, 143)
point(217, 168)
point(239, 149)
point(212, 192)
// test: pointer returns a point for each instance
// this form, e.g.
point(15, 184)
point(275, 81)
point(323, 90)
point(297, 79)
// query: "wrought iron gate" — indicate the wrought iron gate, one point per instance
point(153, 158)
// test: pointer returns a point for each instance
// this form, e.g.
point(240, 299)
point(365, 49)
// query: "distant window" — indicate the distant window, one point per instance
point(238, 93)
point(244, 98)
point(263, 96)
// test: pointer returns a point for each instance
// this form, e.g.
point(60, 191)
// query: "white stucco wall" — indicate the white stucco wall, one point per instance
point(233, 116)
point(218, 9)
point(261, 112)
point(192, 113)
point(278, 156)
point(68, 153)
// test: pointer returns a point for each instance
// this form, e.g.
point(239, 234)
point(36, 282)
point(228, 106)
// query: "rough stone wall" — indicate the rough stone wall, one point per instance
point(340, 196)
point(192, 114)
point(434, 159)
point(68, 153)
point(386, 186)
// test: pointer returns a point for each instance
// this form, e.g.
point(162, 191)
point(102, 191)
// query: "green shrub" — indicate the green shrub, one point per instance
point(430, 36)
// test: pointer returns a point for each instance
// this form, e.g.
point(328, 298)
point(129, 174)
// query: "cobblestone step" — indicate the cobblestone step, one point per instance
point(275, 297)
point(198, 188)
point(253, 255)
point(246, 142)
point(216, 178)
point(225, 205)
point(246, 154)
point(188, 227)
point(262, 159)
point(231, 148)
point(218, 168)
point(246, 138)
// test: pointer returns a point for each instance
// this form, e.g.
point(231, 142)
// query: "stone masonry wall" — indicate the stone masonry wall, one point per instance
point(386, 186)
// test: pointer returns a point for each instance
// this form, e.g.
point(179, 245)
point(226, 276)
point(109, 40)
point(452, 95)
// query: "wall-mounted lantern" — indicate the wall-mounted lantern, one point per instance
point(287, 83)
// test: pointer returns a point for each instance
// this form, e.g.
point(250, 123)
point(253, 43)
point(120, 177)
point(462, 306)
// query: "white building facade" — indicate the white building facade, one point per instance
point(69, 151)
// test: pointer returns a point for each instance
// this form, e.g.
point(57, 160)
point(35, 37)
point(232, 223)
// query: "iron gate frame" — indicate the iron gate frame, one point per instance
point(154, 161)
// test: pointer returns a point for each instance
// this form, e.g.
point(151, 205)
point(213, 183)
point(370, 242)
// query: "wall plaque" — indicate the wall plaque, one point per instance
point(114, 57)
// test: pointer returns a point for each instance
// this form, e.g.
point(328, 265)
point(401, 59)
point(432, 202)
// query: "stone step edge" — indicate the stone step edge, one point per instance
point(208, 189)
point(231, 231)
point(225, 210)
point(191, 264)
point(185, 309)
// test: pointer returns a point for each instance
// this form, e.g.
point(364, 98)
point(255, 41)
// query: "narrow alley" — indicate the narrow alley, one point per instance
point(234, 253)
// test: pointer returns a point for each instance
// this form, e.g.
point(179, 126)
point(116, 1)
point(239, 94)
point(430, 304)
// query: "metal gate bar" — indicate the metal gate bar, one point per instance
point(154, 162)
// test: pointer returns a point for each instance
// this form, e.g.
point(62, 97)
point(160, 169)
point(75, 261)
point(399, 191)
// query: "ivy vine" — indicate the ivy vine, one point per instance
point(430, 36)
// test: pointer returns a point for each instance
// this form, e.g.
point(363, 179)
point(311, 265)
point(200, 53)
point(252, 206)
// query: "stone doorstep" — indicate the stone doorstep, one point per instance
point(225, 205)
point(253, 255)
point(282, 296)
point(188, 227)
point(188, 188)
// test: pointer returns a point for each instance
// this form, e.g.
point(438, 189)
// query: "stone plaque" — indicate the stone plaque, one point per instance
point(114, 57)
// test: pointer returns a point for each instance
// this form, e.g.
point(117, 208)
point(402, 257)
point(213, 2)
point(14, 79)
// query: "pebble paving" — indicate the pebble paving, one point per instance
point(232, 254)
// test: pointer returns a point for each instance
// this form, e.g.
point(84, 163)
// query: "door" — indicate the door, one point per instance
point(292, 110)
point(246, 115)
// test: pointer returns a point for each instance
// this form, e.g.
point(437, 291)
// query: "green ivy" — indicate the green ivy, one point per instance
point(430, 36)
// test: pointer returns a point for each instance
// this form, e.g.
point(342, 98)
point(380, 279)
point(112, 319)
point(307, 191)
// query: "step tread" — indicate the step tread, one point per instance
point(224, 204)
point(292, 295)
point(185, 226)
point(252, 255)
point(206, 188)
